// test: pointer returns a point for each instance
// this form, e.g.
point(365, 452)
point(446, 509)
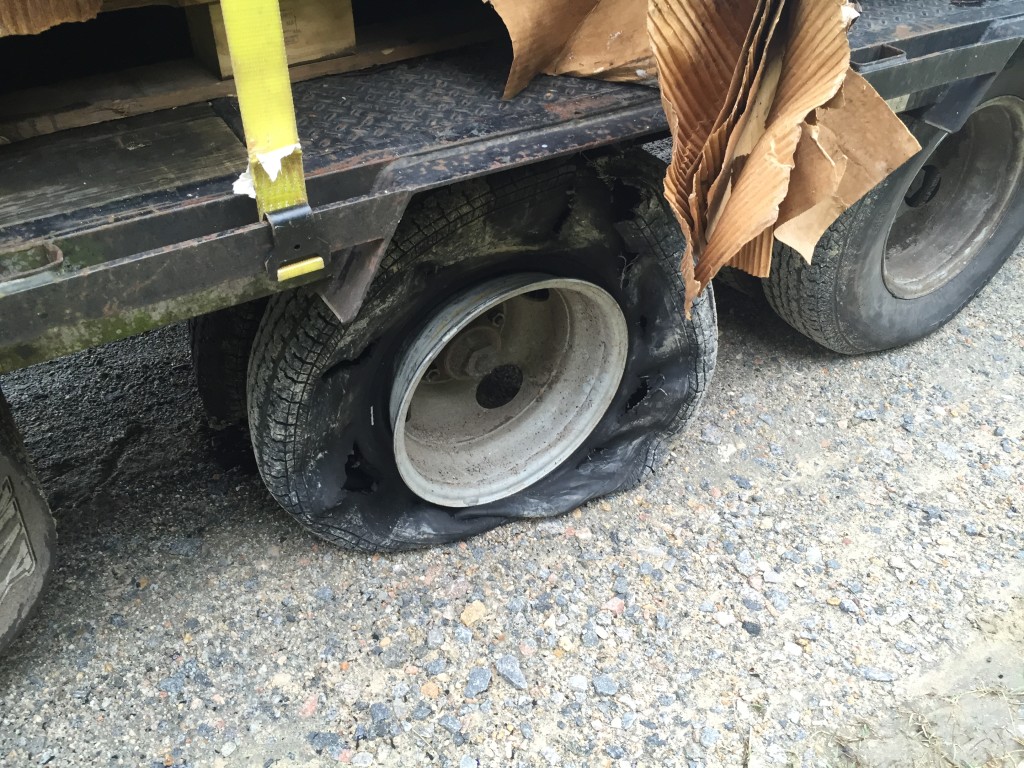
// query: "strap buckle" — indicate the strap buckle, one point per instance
point(299, 248)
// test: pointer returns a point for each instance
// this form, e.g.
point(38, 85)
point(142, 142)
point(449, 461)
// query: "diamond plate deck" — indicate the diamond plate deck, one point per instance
point(368, 119)
point(431, 104)
point(889, 21)
point(373, 117)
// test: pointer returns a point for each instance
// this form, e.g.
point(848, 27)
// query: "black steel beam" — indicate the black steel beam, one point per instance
point(56, 313)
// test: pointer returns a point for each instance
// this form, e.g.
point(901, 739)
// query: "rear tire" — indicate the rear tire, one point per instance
point(320, 393)
point(904, 260)
point(27, 533)
point(221, 343)
point(739, 281)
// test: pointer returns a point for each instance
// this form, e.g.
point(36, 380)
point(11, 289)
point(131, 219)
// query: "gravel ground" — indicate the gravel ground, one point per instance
point(831, 562)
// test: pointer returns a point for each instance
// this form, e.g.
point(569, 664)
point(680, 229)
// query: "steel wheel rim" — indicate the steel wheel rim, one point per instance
point(503, 384)
point(957, 201)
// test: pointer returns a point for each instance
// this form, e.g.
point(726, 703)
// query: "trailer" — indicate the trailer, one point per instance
point(479, 315)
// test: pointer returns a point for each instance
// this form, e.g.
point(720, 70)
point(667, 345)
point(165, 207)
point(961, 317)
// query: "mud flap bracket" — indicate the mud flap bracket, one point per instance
point(345, 292)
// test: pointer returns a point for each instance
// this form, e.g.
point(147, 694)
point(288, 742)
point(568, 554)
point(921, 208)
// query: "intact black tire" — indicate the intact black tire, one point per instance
point(848, 300)
point(27, 533)
point(740, 282)
point(319, 391)
point(221, 343)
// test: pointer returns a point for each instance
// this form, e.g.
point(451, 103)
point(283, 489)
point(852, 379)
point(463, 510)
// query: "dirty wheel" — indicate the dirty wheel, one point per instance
point(522, 350)
point(27, 535)
point(908, 257)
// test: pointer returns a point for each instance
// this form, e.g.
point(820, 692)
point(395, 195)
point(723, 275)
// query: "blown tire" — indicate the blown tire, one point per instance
point(27, 534)
point(551, 297)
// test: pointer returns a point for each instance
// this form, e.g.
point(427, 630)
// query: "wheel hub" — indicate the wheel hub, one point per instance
point(957, 201)
point(503, 384)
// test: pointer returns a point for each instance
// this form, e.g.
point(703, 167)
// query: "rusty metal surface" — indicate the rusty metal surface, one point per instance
point(907, 47)
point(358, 124)
point(418, 105)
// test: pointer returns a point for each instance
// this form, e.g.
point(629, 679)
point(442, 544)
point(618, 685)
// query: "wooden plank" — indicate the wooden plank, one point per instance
point(204, 41)
point(115, 162)
point(91, 100)
point(112, 96)
point(313, 30)
point(122, 5)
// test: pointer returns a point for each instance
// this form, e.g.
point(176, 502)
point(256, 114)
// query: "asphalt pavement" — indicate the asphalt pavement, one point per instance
point(831, 560)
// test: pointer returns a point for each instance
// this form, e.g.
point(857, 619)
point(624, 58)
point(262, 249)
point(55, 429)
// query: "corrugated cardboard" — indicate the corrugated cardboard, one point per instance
point(602, 38)
point(773, 134)
point(857, 132)
point(540, 31)
point(814, 64)
point(30, 17)
point(789, 151)
point(697, 83)
point(611, 43)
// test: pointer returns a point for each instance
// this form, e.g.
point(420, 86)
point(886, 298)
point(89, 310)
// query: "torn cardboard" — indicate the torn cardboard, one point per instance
point(611, 43)
point(797, 138)
point(774, 136)
point(815, 57)
point(585, 38)
point(30, 17)
point(860, 135)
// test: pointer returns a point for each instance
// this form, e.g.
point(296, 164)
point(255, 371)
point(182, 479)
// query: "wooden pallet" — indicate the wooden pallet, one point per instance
point(141, 90)
point(313, 30)
point(118, 160)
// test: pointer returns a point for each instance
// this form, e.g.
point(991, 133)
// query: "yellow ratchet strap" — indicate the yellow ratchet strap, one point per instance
point(256, 41)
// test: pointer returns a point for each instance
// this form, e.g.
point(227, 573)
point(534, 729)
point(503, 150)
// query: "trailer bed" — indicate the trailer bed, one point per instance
point(351, 127)
point(105, 236)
